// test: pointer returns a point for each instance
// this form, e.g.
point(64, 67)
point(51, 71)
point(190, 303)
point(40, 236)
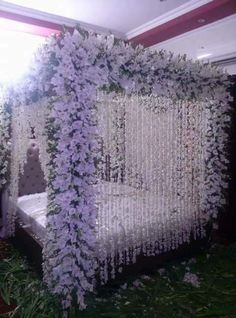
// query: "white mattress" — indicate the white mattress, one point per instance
point(115, 202)
point(32, 213)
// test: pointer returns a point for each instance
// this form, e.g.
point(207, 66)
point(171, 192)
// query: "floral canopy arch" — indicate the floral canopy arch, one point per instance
point(67, 75)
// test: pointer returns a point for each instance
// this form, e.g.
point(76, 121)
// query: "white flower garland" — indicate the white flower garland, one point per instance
point(68, 72)
point(5, 147)
point(4, 143)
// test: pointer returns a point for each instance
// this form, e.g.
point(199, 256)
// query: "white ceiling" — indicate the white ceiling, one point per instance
point(128, 18)
point(121, 16)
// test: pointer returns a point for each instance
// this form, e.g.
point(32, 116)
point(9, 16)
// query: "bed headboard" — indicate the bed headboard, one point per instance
point(32, 181)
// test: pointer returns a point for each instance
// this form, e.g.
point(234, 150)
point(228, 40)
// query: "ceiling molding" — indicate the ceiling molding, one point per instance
point(207, 13)
point(189, 6)
point(229, 58)
point(197, 31)
point(46, 20)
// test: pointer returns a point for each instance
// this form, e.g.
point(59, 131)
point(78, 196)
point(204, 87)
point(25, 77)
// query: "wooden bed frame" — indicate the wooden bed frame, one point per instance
point(25, 242)
point(33, 182)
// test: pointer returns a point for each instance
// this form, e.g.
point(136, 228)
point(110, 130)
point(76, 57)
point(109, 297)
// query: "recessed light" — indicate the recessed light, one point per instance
point(201, 20)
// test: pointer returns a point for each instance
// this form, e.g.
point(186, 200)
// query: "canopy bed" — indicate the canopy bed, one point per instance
point(131, 147)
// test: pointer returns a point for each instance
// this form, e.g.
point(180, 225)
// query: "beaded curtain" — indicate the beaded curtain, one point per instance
point(25, 122)
point(150, 168)
point(151, 177)
point(150, 189)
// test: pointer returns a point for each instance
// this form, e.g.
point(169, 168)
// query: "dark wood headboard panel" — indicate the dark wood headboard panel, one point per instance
point(32, 181)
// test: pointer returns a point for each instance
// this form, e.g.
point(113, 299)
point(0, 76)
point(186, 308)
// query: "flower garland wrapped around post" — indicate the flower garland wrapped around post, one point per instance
point(68, 73)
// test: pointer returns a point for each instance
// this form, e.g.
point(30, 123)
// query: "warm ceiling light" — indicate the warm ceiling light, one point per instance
point(11, 25)
point(202, 56)
point(16, 52)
